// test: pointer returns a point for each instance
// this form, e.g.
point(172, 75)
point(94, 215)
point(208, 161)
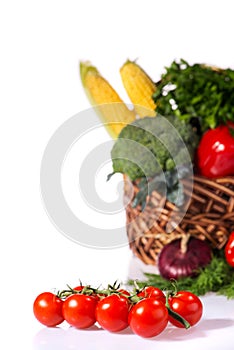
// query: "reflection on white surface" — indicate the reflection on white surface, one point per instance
point(214, 332)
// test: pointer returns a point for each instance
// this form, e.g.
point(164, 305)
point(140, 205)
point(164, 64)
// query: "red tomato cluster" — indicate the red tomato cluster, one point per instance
point(146, 312)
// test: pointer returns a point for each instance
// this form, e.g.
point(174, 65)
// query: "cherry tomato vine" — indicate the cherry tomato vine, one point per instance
point(146, 310)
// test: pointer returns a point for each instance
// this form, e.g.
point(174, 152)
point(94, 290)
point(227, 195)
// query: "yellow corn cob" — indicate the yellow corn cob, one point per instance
point(139, 88)
point(109, 106)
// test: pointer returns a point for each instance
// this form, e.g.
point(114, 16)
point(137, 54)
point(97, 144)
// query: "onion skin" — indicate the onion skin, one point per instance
point(175, 262)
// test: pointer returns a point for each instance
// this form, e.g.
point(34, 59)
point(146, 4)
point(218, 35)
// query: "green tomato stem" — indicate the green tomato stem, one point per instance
point(174, 314)
point(178, 318)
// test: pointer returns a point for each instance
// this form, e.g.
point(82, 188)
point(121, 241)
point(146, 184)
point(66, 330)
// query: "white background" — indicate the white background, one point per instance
point(42, 43)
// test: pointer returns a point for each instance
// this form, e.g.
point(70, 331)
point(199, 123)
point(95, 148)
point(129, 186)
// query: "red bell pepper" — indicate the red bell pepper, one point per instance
point(215, 153)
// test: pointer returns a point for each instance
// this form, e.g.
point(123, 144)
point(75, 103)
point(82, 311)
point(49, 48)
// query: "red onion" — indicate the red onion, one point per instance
point(183, 257)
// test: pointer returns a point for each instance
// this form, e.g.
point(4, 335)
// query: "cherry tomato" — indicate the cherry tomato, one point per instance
point(47, 309)
point(79, 310)
point(187, 305)
point(148, 317)
point(229, 250)
point(112, 313)
point(152, 292)
point(215, 152)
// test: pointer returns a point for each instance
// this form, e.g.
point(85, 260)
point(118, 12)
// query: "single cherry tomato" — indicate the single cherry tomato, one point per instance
point(187, 305)
point(148, 317)
point(215, 153)
point(47, 309)
point(112, 313)
point(152, 292)
point(229, 250)
point(79, 310)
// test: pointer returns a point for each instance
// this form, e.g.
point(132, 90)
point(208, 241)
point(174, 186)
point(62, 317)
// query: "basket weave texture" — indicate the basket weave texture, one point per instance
point(209, 215)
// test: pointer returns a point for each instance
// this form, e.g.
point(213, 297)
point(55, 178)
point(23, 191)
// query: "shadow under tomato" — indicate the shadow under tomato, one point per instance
point(215, 323)
point(60, 338)
point(92, 328)
point(125, 331)
point(49, 338)
point(200, 330)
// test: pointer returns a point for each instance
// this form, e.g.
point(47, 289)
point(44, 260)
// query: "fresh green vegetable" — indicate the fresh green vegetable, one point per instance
point(216, 277)
point(199, 94)
point(151, 145)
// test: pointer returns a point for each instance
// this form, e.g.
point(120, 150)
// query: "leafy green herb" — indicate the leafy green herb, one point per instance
point(216, 277)
point(227, 290)
point(197, 93)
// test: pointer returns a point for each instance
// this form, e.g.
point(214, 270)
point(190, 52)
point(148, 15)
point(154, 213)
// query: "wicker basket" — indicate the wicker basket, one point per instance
point(209, 216)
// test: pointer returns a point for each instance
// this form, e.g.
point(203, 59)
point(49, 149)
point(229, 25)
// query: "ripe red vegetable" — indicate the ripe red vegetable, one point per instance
point(182, 258)
point(146, 312)
point(47, 309)
point(112, 313)
point(229, 250)
point(152, 292)
point(79, 310)
point(215, 153)
point(187, 305)
point(148, 317)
